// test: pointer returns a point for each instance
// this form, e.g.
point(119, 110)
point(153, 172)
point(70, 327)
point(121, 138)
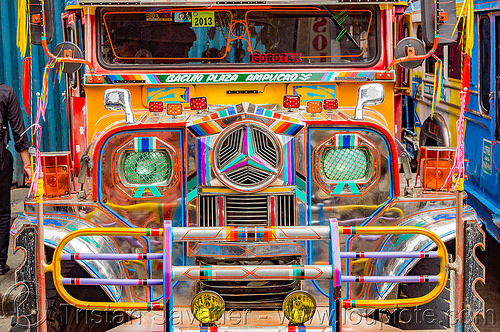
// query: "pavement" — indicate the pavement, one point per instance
point(7, 289)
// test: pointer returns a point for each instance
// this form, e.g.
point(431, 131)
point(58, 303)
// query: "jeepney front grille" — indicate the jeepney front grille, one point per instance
point(246, 210)
point(285, 208)
point(268, 294)
point(208, 211)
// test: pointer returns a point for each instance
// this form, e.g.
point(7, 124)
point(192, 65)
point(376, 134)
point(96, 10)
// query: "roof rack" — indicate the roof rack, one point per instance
point(203, 3)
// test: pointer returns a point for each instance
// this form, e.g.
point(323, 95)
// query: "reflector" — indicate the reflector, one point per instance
point(174, 109)
point(198, 103)
point(330, 104)
point(290, 101)
point(314, 107)
point(156, 106)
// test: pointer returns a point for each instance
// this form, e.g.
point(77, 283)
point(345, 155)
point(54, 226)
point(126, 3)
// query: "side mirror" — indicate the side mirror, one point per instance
point(36, 21)
point(68, 49)
point(407, 46)
point(119, 100)
point(368, 95)
point(446, 18)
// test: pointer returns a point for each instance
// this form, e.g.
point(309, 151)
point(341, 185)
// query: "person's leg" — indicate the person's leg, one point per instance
point(5, 184)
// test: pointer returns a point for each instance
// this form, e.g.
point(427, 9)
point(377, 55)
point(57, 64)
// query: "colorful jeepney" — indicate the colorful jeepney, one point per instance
point(238, 156)
point(482, 114)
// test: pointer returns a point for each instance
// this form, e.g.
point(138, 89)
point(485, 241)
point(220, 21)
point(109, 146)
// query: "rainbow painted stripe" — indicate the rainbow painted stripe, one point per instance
point(251, 233)
point(208, 125)
point(245, 77)
point(288, 160)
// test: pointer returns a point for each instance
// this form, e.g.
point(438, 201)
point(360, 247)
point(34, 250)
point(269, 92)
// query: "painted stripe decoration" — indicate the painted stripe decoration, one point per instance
point(288, 144)
point(339, 187)
point(271, 237)
point(154, 231)
point(193, 78)
point(204, 160)
point(112, 282)
point(208, 125)
point(142, 189)
point(106, 257)
point(251, 233)
point(346, 141)
point(144, 144)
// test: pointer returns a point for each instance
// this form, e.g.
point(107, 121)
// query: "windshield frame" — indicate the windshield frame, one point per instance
point(375, 24)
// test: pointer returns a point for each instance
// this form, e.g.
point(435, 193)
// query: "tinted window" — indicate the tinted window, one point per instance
point(484, 63)
point(307, 35)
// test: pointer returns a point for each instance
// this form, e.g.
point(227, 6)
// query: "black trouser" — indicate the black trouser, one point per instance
point(6, 167)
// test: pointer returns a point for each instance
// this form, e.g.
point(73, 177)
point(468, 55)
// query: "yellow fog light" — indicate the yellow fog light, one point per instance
point(207, 307)
point(299, 307)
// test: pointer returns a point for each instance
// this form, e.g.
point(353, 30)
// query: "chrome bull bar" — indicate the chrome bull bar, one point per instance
point(172, 273)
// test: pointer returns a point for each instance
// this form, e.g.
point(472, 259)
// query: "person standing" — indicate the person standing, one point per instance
point(10, 113)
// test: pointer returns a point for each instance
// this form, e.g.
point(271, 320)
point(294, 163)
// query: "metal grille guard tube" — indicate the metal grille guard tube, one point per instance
point(271, 233)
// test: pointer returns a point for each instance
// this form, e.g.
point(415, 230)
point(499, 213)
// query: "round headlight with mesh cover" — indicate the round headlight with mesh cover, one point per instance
point(247, 157)
point(147, 167)
point(345, 164)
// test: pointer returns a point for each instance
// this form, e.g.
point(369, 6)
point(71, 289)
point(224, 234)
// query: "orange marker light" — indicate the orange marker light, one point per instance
point(290, 101)
point(314, 107)
point(155, 106)
point(174, 109)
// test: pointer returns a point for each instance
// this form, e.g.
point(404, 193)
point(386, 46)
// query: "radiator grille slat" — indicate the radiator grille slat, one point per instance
point(285, 210)
point(254, 208)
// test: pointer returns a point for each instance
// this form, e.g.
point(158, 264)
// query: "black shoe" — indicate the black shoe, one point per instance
point(4, 268)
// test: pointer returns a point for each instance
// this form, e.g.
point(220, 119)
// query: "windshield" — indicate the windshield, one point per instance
point(302, 35)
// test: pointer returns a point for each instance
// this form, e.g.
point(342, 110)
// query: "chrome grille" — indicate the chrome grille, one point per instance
point(247, 176)
point(285, 210)
point(230, 147)
point(208, 211)
point(252, 294)
point(264, 147)
point(247, 158)
point(247, 210)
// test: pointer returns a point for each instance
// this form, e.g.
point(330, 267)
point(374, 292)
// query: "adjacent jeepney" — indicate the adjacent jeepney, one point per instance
point(236, 156)
point(481, 115)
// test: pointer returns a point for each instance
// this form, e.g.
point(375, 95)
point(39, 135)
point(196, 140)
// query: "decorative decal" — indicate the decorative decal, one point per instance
point(141, 189)
point(203, 19)
point(288, 160)
point(340, 187)
point(209, 125)
point(168, 95)
point(365, 76)
point(204, 160)
point(346, 141)
point(276, 58)
point(144, 144)
point(315, 92)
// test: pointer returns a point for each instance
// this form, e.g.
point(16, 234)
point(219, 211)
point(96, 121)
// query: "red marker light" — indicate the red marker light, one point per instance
point(198, 103)
point(174, 109)
point(291, 101)
point(331, 104)
point(155, 106)
point(314, 107)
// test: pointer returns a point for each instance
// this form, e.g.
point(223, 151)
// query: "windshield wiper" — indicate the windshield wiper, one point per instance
point(337, 24)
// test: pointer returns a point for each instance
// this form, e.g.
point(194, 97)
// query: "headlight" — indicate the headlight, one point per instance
point(299, 307)
point(207, 307)
point(141, 168)
point(345, 164)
